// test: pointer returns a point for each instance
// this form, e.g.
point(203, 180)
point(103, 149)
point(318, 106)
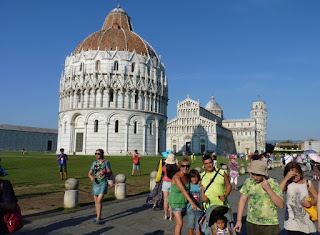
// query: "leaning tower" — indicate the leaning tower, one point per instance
point(259, 114)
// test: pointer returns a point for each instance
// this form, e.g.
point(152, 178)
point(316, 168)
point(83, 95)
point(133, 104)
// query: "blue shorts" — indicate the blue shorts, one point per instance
point(101, 188)
point(166, 186)
point(176, 209)
point(193, 218)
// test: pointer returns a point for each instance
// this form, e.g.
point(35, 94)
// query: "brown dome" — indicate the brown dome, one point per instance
point(116, 33)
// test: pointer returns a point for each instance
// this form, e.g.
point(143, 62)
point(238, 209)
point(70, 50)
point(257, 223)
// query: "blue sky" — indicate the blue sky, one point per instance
point(235, 50)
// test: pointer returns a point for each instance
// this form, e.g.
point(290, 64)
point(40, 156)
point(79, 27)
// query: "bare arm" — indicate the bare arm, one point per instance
point(90, 176)
point(242, 202)
point(285, 180)
point(314, 193)
point(278, 201)
point(177, 181)
point(228, 188)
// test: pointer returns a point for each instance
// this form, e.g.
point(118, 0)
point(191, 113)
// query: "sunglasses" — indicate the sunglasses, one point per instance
point(185, 166)
point(256, 174)
point(97, 154)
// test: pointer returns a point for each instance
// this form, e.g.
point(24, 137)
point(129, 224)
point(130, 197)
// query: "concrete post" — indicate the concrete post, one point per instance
point(153, 182)
point(71, 194)
point(242, 169)
point(120, 187)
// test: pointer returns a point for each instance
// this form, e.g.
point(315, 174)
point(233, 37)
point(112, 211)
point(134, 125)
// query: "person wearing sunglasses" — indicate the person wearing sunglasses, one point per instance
point(98, 176)
point(264, 196)
point(179, 196)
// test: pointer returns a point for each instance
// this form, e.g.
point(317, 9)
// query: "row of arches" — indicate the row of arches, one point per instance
point(110, 98)
point(116, 133)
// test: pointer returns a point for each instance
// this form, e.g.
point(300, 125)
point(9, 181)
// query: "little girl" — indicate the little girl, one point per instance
point(221, 227)
point(195, 194)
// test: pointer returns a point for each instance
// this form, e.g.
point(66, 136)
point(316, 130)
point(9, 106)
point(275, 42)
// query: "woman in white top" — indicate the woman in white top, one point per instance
point(297, 189)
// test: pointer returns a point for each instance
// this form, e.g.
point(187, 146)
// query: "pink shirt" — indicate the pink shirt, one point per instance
point(165, 177)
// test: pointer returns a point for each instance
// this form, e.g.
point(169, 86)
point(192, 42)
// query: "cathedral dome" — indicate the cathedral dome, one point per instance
point(117, 34)
point(212, 104)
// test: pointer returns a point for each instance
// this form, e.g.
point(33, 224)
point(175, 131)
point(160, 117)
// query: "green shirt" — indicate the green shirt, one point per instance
point(176, 198)
point(261, 209)
point(216, 189)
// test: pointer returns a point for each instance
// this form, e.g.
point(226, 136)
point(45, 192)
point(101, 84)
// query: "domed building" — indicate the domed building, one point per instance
point(113, 93)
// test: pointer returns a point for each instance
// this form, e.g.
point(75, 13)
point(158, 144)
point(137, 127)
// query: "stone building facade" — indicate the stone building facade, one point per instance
point(197, 129)
point(113, 93)
point(16, 138)
point(312, 144)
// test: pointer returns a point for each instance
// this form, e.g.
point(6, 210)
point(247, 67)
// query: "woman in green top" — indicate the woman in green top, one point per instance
point(179, 196)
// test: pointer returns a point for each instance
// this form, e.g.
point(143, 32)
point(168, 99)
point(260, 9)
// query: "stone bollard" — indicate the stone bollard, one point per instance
point(120, 187)
point(225, 168)
point(242, 169)
point(247, 167)
point(198, 169)
point(153, 182)
point(71, 194)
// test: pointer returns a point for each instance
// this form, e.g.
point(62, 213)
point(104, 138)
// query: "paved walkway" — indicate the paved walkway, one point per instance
point(130, 216)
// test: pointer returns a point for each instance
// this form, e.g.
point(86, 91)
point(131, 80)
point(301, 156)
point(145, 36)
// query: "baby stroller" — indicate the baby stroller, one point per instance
point(210, 218)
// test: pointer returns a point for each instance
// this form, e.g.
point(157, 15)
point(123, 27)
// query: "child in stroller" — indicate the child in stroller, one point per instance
point(218, 221)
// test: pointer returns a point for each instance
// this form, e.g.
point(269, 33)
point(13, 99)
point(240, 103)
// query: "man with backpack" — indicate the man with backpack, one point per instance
point(136, 162)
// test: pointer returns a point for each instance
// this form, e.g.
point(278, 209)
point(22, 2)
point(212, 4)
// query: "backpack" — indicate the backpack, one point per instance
point(136, 160)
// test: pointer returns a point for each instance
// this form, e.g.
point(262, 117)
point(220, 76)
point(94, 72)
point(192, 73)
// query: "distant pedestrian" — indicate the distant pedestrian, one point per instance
point(136, 162)
point(233, 165)
point(193, 158)
point(297, 190)
point(264, 196)
point(255, 156)
point(62, 158)
point(98, 174)
point(214, 159)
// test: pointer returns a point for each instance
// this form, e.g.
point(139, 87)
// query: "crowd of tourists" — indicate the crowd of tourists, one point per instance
point(203, 197)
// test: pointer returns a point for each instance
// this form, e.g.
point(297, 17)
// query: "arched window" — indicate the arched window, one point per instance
point(80, 67)
point(133, 67)
point(116, 126)
point(135, 127)
point(116, 66)
point(96, 125)
point(150, 128)
point(111, 96)
point(136, 97)
point(98, 65)
point(65, 128)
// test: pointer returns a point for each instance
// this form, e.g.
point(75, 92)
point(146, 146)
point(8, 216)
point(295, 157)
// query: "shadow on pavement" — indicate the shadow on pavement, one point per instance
point(158, 232)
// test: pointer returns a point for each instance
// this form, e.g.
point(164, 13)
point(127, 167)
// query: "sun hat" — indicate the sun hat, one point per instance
point(171, 159)
point(258, 167)
point(232, 156)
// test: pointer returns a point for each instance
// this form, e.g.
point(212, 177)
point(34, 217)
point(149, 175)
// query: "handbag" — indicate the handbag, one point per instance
point(12, 220)
point(159, 173)
point(313, 209)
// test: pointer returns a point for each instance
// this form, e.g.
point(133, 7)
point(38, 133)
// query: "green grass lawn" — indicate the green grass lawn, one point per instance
point(37, 173)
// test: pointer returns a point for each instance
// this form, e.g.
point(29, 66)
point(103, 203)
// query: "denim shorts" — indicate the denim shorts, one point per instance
point(193, 218)
point(176, 209)
point(166, 186)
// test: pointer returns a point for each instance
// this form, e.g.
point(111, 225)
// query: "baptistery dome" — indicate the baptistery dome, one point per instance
point(113, 93)
point(116, 34)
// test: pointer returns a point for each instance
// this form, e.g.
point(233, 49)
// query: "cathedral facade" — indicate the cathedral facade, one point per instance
point(113, 93)
point(197, 129)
